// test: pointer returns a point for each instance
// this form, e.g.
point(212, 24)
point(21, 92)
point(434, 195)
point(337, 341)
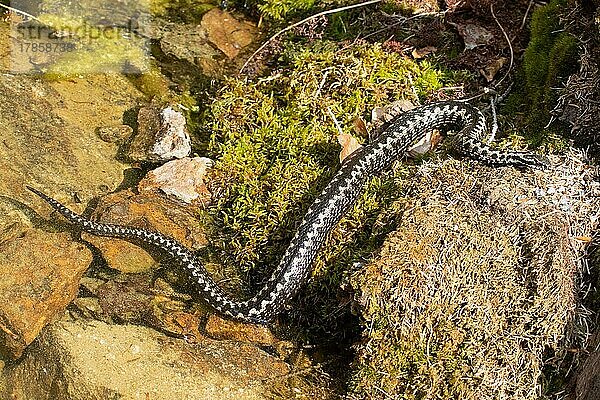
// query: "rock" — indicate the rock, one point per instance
point(226, 32)
point(219, 328)
point(92, 360)
point(142, 299)
point(49, 141)
point(49, 138)
point(126, 298)
point(181, 179)
point(190, 42)
point(473, 35)
point(162, 135)
point(40, 276)
point(148, 211)
point(121, 13)
point(114, 134)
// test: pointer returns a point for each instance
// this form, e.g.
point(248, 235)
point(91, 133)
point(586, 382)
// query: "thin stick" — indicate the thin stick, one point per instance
point(335, 10)
point(526, 14)
point(494, 121)
point(17, 11)
point(335, 121)
point(512, 54)
point(404, 20)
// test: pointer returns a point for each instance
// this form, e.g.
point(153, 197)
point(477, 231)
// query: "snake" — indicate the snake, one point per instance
point(464, 125)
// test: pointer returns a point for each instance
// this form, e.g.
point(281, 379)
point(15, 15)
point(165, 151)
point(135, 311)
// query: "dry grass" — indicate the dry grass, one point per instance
point(479, 289)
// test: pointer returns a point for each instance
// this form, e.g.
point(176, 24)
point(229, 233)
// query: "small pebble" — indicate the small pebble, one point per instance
point(114, 134)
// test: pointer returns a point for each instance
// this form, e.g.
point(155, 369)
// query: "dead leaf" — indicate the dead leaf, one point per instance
point(382, 115)
point(584, 239)
point(428, 142)
point(473, 35)
point(360, 127)
point(349, 145)
point(490, 70)
point(423, 51)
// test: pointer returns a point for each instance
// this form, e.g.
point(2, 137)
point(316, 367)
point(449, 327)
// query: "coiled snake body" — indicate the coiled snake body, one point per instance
point(295, 267)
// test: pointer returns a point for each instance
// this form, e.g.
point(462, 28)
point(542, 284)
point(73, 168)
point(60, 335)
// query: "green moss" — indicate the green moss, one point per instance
point(279, 10)
point(152, 83)
point(189, 11)
point(549, 58)
point(94, 49)
point(276, 147)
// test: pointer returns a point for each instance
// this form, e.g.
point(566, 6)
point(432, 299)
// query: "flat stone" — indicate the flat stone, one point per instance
point(49, 141)
point(92, 360)
point(227, 33)
point(187, 42)
point(40, 276)
point(219, 328)
point(114, 134)
point(49, 138)
point(180, 179)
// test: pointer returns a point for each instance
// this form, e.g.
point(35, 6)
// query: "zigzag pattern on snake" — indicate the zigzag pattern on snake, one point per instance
point(295, 267)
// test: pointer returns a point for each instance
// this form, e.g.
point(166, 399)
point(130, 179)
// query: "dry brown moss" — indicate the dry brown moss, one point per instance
point(476, 293)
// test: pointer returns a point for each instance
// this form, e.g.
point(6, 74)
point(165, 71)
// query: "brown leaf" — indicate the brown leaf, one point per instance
point(349, 145)
point(473, 35)
point(423, 51)
point(360, 127)
point(428, 142)
point(490, 70)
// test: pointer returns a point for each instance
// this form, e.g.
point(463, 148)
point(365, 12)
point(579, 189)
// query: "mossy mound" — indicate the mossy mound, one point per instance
point(475, 295)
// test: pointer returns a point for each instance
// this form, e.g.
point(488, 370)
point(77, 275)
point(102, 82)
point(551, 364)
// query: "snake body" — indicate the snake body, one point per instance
point(295, 267)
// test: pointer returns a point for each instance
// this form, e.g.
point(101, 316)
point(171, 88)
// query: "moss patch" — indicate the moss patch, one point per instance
point(475, 294)
point(181, 10)
point(94, 49)
point(549, 58)
point(275, 145)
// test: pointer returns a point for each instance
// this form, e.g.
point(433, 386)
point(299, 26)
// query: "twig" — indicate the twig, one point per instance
point(17, 11)
point(335, 121)
point(405, 19)
point(526, 14)
point(318, 92)
point(512, 54)
point(335, 10)
point(494, 121)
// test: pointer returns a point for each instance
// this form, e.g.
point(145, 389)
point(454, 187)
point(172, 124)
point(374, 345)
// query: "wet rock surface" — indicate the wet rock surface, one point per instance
point(218, 36)
point(226, 32)
point(48, 138)
point(220, 328)
point(40, 276)
point(63, 136)
point(148, 211)
point(115, 134)
point(49, 142)
point(189, 42)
